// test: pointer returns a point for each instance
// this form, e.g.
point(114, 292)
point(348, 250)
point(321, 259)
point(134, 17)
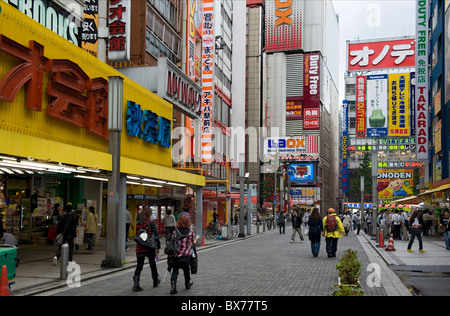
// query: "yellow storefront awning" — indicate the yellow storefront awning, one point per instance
point(409, 200)
point(147, 169)
point(438, 189)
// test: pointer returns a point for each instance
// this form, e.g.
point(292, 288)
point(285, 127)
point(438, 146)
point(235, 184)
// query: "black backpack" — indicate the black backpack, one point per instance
point(173, 245)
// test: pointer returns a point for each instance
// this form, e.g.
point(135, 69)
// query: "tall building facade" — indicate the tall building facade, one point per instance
point(294, 96)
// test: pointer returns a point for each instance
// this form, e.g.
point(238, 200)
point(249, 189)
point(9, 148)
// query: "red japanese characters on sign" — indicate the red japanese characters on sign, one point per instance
point(75, 98)
point(361, 106)
point(311, 119)
point(381, 54)
point(119, 34)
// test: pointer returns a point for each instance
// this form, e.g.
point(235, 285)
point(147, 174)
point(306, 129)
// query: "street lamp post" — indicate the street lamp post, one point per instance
point(241, 195)
point(115, 229)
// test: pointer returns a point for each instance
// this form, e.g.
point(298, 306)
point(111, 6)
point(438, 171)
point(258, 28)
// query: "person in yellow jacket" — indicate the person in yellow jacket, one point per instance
point(91, 227)
point(332, 230)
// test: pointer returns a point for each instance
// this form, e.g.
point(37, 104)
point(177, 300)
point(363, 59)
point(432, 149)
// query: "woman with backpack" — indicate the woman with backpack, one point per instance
point(185, 238)
point(143, 252)
point(332, 230)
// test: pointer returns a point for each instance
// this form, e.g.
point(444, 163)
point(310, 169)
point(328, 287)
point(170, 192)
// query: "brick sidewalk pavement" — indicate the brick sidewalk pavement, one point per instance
point(266, 264)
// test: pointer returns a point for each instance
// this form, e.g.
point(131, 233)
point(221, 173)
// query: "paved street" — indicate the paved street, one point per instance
point(266, 264)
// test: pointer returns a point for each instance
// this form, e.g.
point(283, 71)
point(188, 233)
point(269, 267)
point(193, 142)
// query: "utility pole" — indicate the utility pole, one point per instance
point(374, 192)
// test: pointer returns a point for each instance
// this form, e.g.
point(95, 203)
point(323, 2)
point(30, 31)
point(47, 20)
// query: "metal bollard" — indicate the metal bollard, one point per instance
point(378, 235)
point(257, 228)
point(64, 261)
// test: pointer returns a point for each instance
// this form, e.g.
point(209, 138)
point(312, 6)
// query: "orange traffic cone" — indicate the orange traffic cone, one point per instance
point(203, 241)
point(390, 246)
point(4, 285)
point(381, 241)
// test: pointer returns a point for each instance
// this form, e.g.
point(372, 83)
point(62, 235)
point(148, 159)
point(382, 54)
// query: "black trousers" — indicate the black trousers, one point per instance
point(331, 245)
point(71, 245)
point(183, 264)
point(140, 264)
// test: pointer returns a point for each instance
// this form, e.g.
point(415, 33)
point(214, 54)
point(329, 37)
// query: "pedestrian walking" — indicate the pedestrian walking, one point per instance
point(444, 222)
point(91, 227)
point(169, 224)
point(405, 224)
point(128, 223)
point(143, 252)
point(282, 221)
point(315, 231)
point(180, 260)
point(332, 230)
point(357, 222)
point(415, 230)
point(368, 228)
point(346, 222)
point(396, 224)
point(296, 226)
point(427, 218)
point(305, 220)
point(67, 226)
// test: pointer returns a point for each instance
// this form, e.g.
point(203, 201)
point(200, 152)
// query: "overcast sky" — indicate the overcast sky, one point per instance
point(365, 19)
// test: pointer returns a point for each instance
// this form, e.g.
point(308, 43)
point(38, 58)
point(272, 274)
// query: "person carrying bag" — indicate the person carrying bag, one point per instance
point(147, 246)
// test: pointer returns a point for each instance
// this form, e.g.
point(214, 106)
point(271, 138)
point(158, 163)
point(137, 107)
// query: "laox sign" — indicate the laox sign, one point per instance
point(283, 11)
point(287, 143)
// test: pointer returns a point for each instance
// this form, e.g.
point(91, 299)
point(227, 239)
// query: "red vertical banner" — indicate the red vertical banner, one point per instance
point(361, 106)
point(311, 91)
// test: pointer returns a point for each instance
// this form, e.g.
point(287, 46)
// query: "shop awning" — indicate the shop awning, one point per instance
point(438, 189)
point(409, 200)
point(147, 169)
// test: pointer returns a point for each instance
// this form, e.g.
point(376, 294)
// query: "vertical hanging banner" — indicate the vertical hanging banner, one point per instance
point(119, 30)
point(89, 27)
point(399, 105)
point(361, 106)
point(344, 129)
point(311, 91)
point(422, 79)
point(207, 79)
point(190, 45)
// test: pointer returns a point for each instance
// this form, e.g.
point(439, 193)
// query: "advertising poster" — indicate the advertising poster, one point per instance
point(377, 107)
point(412, 105)
point(399, 105)
point(90, 27)
point(394, 183)
point(301, 172)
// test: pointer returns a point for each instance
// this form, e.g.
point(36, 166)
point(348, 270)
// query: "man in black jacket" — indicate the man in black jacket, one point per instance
point(296, 225)
point(67, 226)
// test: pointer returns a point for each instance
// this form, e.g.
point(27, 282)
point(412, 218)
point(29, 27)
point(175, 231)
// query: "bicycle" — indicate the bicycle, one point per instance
point(213, 231)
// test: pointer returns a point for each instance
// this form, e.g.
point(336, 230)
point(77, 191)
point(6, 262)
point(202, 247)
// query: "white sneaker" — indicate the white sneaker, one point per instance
point(71, 262)
point(292, 241)
point(55, 260)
